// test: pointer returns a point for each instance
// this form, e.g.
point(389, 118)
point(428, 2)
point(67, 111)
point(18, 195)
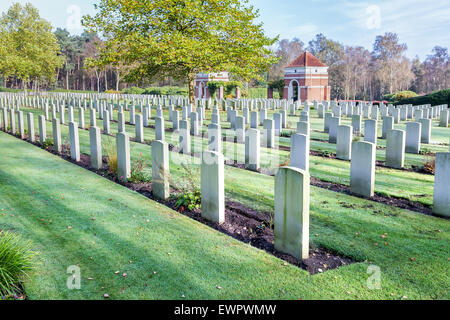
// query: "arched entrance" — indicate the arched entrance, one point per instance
point(200, 90)
point(294, 90)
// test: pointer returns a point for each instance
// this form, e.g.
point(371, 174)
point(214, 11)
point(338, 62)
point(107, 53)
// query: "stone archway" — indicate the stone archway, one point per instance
point(294, 90)
point(200, 90)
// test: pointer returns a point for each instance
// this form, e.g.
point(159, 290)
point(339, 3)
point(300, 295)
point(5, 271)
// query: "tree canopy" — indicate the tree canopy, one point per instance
point(181, 38)
point(28, 48)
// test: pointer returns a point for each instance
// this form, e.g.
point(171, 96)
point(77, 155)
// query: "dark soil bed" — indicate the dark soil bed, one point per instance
point(249, 226)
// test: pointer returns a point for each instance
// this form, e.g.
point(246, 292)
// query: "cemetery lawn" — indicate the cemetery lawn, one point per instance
point(75, 217)
point(412, 186)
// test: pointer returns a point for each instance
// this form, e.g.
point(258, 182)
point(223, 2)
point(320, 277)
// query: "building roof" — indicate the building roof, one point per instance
point(306, 60)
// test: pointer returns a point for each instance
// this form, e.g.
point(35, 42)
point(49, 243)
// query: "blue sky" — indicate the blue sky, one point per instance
point(422, 24)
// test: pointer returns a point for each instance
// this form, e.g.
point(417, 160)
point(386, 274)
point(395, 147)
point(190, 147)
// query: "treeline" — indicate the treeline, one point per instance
point(77, 74)
point(359, 74)
point(34, 57)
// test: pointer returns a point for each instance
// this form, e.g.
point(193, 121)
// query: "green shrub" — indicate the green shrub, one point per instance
point(245, 93)
point(138, 174)
point(111, 155)
point(213, 86)
point(277, 86)
point(191, 201)
point(229, 87)
point(286, 134)
point(59, 90)
point(189, 194)
point(435, 98)
point(16, 261)
point(113, 91)
point(167, 91)
point(400, 95)
point(3, 89)
point(255, 93)
point(48, 143)
point(133, 90)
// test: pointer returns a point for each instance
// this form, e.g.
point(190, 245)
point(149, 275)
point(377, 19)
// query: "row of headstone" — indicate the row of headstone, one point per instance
point(291, 184)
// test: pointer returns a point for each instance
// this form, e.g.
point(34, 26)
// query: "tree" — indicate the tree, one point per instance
point(417, 68)
point(90, 53)
point(69, 50)
point(331, 53)
point(180, 38)
point(287, 51)
point(437, 69)
point(31, 51)
point(388, 53)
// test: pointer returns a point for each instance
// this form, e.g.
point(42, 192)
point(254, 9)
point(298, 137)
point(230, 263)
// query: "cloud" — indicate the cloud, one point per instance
point(420, 23)
point(305, 31)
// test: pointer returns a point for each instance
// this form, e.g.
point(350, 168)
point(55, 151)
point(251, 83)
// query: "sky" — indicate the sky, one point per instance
point(421, 24)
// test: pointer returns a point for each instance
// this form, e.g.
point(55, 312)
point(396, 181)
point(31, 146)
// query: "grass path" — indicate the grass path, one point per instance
point(114, 229)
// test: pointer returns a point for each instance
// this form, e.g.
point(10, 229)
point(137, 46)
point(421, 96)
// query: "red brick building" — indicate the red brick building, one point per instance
point(201, 84)
point(306, 78)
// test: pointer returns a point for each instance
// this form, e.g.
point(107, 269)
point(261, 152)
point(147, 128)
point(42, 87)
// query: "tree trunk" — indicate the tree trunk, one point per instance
point(117, 79)
point(83, 83)
point(106, 80)
point(191, 81)
point(98, 80)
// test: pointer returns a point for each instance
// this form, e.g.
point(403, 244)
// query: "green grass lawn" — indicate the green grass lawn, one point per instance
point(410, 185)
point(114, 229)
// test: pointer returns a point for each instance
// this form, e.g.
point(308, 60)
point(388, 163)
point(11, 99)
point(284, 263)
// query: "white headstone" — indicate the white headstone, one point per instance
point(212, 186)
point(362, 169)
point(291, 220)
